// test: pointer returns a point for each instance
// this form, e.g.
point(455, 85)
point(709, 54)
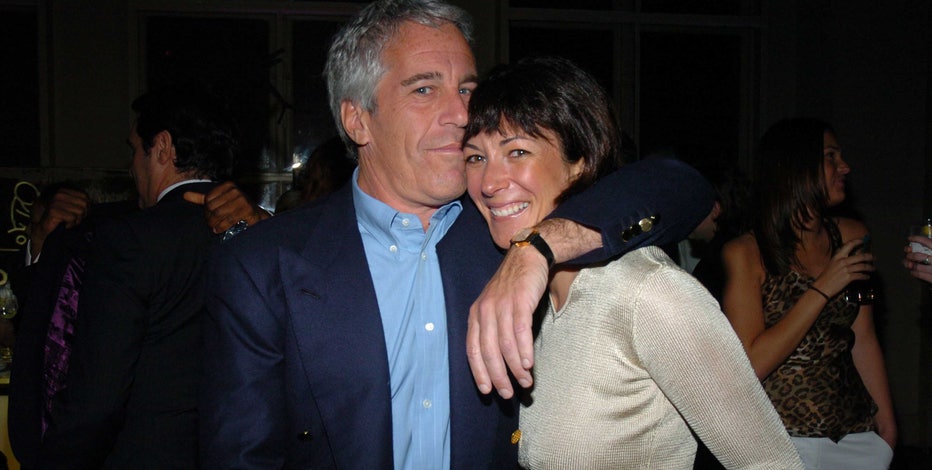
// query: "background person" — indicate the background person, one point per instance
point(816, 353)
point(918, 264)
point(130, 394)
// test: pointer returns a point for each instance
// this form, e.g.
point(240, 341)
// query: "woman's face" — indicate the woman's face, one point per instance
point(514, 178)
point(835, 169)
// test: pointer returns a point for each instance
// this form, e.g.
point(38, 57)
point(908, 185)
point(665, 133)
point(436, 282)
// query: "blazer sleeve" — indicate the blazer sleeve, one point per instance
point(109, 332)
point(242, 401)
point(669, 193)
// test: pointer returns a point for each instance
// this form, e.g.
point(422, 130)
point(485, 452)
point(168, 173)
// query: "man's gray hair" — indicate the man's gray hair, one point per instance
point(354, 63)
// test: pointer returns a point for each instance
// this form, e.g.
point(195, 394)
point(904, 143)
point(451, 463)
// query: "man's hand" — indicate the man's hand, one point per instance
point(500, 322)
point(67, 206)
point(226, 205)
point(501, 319)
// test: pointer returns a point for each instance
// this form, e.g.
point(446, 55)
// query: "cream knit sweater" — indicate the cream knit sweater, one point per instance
point(638, 355)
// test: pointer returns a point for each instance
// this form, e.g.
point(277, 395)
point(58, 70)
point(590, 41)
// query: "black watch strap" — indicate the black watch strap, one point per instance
point(532, 237)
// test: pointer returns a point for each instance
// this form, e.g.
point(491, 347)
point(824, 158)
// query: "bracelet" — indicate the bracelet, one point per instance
point(820, 292)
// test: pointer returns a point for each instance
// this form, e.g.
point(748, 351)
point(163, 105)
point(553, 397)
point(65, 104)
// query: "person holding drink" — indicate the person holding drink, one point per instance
point(918, 258)
point(813, 346)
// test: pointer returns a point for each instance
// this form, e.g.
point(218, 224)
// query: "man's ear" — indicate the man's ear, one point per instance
point(716, 210)
point(163, 149)
point(355, 122)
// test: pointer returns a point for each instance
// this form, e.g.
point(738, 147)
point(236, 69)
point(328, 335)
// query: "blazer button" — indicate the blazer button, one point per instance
point(516, 436)
point(305, 436)
point(647, 223)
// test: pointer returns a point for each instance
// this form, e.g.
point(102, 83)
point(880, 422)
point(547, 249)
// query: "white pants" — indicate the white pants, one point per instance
point(859, 451)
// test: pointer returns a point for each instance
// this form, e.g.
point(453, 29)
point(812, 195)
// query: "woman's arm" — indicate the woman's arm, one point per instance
point(868, 359)
point(742, 302)
point(690, 351)
point(767, 348)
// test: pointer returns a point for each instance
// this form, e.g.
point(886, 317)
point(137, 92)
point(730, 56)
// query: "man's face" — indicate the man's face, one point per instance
point(410, 154)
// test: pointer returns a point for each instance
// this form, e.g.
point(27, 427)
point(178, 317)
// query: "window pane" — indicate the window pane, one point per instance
point(230, 54)
point(587, 48)
point(690, 92)
point(563, 4)
point(313, 123)
point(19, 88)
point(701, 7)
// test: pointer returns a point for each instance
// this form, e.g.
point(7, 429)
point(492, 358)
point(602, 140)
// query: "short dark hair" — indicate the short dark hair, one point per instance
point(789, 187)
point(551, 93)
point(198, 121)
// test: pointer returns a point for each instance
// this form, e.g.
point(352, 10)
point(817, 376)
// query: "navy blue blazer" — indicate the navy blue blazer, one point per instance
point(296, 370)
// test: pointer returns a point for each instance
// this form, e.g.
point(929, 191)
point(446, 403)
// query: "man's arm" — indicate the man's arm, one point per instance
point(226, 205)
point(243, 421)
point(651, 202)
point(67, 207)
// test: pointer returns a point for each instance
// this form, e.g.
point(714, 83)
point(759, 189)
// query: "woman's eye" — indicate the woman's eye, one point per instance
point(518, 153)
point(474, 159)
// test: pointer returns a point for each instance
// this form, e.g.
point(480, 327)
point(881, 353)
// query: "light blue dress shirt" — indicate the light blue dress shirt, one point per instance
point(403, 263)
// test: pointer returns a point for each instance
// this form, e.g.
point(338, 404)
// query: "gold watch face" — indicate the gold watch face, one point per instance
point(522, 237)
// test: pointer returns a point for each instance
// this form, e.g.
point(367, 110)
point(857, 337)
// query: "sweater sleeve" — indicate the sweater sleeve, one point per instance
point(687, 345)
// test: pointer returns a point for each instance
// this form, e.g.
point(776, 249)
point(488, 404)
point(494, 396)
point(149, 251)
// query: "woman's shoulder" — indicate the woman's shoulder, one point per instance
point(744, 246)
point(850, 228)
point(741, 256)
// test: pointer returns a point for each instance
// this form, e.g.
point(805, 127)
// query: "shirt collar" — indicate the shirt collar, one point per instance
point(180, 183)
point(380, 219)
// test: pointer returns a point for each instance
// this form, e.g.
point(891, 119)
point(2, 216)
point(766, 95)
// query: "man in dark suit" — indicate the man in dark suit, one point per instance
point(335, 332)
point(130, 396)
point(61, 226)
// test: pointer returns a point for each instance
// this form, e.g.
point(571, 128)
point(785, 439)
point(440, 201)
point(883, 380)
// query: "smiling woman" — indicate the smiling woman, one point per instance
point(637, 343)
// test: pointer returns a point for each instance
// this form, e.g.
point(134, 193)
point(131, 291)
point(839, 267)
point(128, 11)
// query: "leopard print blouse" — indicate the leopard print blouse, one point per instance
point(817, 391)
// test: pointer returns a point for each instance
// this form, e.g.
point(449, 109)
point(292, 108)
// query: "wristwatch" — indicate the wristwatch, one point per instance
point(530, 236)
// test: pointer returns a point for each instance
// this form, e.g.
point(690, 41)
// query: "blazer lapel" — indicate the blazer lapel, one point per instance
point(480, 425)
point(338, 334)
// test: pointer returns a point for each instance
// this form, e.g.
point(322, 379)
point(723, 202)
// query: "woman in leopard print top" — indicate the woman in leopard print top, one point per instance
point(816, 353)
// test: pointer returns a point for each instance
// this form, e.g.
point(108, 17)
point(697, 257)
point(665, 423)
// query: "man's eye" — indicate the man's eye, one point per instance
point(465, 91)
point(423, 90)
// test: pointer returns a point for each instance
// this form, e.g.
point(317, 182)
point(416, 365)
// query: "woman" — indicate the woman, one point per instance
point(628, 352)
point(816, 352)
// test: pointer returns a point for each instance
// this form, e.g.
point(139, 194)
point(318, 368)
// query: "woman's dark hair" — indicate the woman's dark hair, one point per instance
point(790, 188)
point(202, 133)
point(554, 94)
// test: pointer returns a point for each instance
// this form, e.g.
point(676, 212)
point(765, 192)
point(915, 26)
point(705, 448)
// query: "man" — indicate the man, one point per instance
point(335, 331)
point(61, 227)
point(130, 396)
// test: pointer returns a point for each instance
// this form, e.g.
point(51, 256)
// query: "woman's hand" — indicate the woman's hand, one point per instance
point(844, 268)
point(915, 261)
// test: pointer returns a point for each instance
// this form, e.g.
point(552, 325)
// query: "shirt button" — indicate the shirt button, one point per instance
point(424, 256)
point(405, 222)
point(429, 327)
point(426, 403)
point(393, 248)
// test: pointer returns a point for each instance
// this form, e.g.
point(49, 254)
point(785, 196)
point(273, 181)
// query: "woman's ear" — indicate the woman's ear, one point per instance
point(576, 168)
